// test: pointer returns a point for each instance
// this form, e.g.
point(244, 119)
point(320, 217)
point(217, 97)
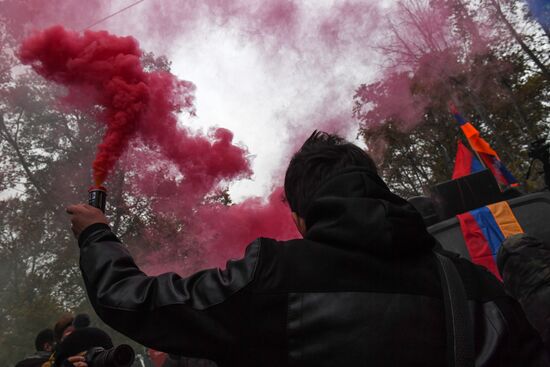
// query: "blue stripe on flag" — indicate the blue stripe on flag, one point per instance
point(476, 166)
point(489, 227)
point(459, 119)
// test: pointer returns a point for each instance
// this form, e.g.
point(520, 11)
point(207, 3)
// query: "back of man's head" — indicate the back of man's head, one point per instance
point(321, 155)
point(44, 341)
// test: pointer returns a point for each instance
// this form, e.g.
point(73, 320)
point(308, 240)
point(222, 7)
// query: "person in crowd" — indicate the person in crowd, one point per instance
point(362, 288)
point(44, 344)
point(83, 337)
point(524, 263)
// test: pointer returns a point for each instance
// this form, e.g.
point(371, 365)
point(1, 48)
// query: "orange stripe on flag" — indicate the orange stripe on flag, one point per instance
point(477, 143)
point(505, 218)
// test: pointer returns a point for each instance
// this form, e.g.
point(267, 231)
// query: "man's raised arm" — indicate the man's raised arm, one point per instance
point(195, 316)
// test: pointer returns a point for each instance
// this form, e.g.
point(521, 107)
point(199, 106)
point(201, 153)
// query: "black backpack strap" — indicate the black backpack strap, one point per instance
point(460, 336)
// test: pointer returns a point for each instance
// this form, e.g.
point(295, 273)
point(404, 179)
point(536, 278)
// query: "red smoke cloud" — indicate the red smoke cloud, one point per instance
point(134, 102)
point(100, 69)
point(215, 233)
point(238, 225)
point(206, 232)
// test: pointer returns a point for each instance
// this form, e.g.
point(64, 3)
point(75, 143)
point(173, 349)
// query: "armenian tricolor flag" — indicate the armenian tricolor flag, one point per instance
point(484, 151)
point(466, 162)
point(484, 229)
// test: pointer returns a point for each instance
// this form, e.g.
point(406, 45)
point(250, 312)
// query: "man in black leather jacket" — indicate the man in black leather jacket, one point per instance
point(360, 289)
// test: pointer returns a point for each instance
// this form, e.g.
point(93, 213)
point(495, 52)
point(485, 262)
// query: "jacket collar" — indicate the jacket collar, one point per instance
point(355, 209)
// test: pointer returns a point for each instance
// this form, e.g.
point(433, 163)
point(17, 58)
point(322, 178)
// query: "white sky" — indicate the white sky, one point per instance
point(268, 95)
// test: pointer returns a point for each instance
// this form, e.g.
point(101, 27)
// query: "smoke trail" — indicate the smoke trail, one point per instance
point(134, 103)
point(105, 70)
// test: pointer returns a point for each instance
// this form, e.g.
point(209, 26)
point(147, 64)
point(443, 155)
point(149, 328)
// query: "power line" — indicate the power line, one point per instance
point(112, 15)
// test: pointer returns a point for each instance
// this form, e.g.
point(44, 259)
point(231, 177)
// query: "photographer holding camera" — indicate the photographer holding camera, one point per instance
point(91, 347)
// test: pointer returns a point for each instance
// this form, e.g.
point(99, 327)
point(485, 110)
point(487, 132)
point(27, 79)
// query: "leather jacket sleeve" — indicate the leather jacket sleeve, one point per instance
point(193, 316)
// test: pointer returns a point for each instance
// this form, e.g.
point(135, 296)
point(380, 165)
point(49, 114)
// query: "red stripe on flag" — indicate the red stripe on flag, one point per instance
point(463, 162)
point(477, 244)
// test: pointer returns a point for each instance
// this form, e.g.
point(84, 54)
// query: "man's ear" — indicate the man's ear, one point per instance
point(300, 223)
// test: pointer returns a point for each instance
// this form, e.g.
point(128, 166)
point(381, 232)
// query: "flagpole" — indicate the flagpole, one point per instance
point(504, 178)
point(500, 185)
point(475, 151)
point(454, 111)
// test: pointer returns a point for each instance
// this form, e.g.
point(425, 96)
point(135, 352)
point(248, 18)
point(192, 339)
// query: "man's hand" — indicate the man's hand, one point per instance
point(84, 215)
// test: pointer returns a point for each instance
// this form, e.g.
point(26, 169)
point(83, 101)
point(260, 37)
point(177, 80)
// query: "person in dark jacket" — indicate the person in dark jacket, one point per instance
point(524, 263)
point(78, 342)
point(360, 289)
point(44, 344)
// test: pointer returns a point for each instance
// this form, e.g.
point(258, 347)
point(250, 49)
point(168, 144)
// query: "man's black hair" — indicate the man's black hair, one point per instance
point(43, 337)
point(321, 155)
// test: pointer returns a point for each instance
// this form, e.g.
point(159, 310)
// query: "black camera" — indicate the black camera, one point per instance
point(119, 356)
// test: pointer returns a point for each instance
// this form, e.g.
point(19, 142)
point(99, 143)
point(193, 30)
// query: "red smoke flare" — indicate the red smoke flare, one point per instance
point(107, 69)
point(104, 70)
